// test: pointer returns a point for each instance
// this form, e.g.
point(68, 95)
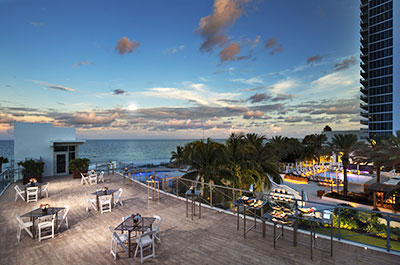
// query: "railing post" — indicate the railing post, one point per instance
point(388, 233)
point(338, 234)
point(211, 193)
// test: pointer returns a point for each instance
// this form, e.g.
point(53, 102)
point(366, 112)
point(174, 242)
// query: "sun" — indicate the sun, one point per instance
point(132, 107)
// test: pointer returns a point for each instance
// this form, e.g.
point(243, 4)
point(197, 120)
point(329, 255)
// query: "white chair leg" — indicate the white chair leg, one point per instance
point(19, 233)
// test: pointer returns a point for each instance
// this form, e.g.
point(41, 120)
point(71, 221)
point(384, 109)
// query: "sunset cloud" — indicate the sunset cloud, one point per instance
point(346, 63)
point(229, 53)
point(258, 98)
point(271, 42)
point(124, 45)
point(82, 63)
point(315, 58)
point(53, 86)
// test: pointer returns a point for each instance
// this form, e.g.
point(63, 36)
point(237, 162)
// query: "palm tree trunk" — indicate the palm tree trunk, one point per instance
point(345, 184)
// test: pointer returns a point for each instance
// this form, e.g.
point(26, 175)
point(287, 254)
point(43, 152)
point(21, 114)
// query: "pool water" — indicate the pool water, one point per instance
point(351, 177)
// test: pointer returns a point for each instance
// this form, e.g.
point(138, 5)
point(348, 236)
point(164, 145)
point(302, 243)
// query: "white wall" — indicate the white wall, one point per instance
point(33, 140)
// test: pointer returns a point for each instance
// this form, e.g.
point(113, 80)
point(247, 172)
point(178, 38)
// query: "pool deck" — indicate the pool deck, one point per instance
point(213, 239)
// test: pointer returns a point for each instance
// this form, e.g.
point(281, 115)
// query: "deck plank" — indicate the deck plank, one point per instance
point(213, 239)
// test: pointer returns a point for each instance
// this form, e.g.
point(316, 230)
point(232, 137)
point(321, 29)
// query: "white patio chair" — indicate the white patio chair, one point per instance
point(105, 203)
point(146, 241)
point(23, 225)
point(84, 179)
point(156, 227)
point(90, 202)
point(19, 192)
point(101, 177)
point(32, 194)
point(46, 189)
point(46, 225)
point(92, 179)
point(63, 217)
point(117, 240)
point(117, 197)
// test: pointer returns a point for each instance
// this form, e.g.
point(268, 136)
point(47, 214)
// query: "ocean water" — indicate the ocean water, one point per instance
point(131, 151)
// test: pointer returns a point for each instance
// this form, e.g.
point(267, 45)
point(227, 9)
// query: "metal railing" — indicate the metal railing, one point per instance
point(365, 227)
point(6, 177)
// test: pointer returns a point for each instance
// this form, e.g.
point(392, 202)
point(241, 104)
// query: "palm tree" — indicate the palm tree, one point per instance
point(278, 145)
point(177, 157)
point(345, 145)
point(314, 146)
point(2, 160)
point(393, 146)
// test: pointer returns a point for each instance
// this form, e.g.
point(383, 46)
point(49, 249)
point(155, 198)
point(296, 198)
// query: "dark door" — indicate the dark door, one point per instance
point(61, 163)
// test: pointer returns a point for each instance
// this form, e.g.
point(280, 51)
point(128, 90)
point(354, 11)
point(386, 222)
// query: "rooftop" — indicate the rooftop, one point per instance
point(213, 239)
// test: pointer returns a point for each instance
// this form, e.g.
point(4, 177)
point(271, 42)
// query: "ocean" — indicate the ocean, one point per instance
point(138, 152)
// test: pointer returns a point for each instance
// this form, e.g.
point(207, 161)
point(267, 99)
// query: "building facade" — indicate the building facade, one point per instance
point(55, 146)
point(380, 66)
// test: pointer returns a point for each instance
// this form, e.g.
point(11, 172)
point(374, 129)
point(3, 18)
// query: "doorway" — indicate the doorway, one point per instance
point(61, 163)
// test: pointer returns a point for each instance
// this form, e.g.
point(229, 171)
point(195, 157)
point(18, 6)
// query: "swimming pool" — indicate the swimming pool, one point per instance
point(351, 177)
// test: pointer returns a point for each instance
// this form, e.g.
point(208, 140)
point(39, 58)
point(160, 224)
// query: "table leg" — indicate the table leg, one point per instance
point(199, 207)
point(186, 206)
point(129, 243)
point(263, 222)
point(33, 227)
point(244, 221)
point(237, 217)
point(193, 208)
point(255, 219)
point(97, 202)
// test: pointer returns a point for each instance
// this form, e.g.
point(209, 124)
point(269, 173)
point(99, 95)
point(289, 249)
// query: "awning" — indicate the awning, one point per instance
point(385, 188)
point(70, 142)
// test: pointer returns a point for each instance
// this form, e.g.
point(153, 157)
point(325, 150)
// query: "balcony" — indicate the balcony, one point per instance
point(364, 90)
point(364, 122)
point(364, 33)
point(364, 82)
point(364, 50)
point(364, 66)
point(364, 42)
point(364, 74)
point(364, 98)
point(364, 106)
point(364, 58)
point(364, 114)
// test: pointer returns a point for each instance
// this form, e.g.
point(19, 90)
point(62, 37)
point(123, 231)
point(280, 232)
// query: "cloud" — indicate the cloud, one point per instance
point(258, 98)
point(231, 100)
point(5, 118)
point(315, 58)
point(250, 81)
point(213, 27)
point(283, 97)
point(271, 42)
point(255, 41)
point(53, 86)
point(282, 87)
point(253, 114)
point(346, 63)
point(277, 49)
point(36, 24)
point(81, 63)
point(119, 92)
point(124, 45)
point(332, 80)
point(174, 50)
point(87, 118)
point(293, 119)
point(228, 70)
point(229, 53)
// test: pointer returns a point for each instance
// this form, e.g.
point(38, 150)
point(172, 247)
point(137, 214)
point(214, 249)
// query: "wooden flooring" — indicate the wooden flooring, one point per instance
point(213, 239)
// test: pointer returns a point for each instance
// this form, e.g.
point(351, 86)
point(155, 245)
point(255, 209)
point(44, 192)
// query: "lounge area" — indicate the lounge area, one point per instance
point(211, 239)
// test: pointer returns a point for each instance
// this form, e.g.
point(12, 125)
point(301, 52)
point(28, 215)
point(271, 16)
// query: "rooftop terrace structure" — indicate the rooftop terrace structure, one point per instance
point(212, 239)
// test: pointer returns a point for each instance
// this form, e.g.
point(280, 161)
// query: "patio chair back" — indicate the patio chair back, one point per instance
point(46, 189)
point(32, 194)
point(19, 192)
point(146, 240)
point(101, 177)
point(115, 242)
point(24, 226)
point(117, 197)
point(105, 203)
point(84, 179)
point(63, 218)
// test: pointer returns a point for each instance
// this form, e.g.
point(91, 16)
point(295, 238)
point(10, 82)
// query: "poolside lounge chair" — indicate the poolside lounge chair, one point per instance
point(19, 192)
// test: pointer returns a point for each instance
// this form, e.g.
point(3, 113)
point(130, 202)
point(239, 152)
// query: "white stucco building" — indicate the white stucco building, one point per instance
point(55, 146)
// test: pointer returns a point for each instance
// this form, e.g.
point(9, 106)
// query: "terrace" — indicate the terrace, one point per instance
point(213, 239)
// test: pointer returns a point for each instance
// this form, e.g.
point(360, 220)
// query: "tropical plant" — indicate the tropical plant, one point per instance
point(278, 145)
point(327, 128)
point(392, 144)
point(345, 145)
point(314, 146)
point(177, 157)
point(3, 160)
point(31, 169)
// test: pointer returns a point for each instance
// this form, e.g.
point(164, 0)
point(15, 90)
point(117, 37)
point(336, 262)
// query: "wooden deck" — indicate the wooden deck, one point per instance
point(213, 239)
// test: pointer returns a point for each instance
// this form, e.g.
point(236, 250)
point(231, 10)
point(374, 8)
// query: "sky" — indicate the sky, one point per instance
point(179, 68)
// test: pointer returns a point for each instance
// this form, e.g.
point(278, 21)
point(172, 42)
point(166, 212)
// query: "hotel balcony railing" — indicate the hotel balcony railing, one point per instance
point(364, 42)
point(364, 114)
point(364, 66)
point(364, 82)
point(364, 90)
point(364, 33)
point(364, 122)
point(364, 49)
point(364, 106)
point(364, 74)
point(364, 58)
point(364, 98)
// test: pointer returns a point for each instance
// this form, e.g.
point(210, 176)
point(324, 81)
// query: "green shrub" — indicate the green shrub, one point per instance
point(31, 169)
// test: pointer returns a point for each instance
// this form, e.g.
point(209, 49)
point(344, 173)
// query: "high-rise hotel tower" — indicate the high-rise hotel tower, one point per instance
point(380, 66)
